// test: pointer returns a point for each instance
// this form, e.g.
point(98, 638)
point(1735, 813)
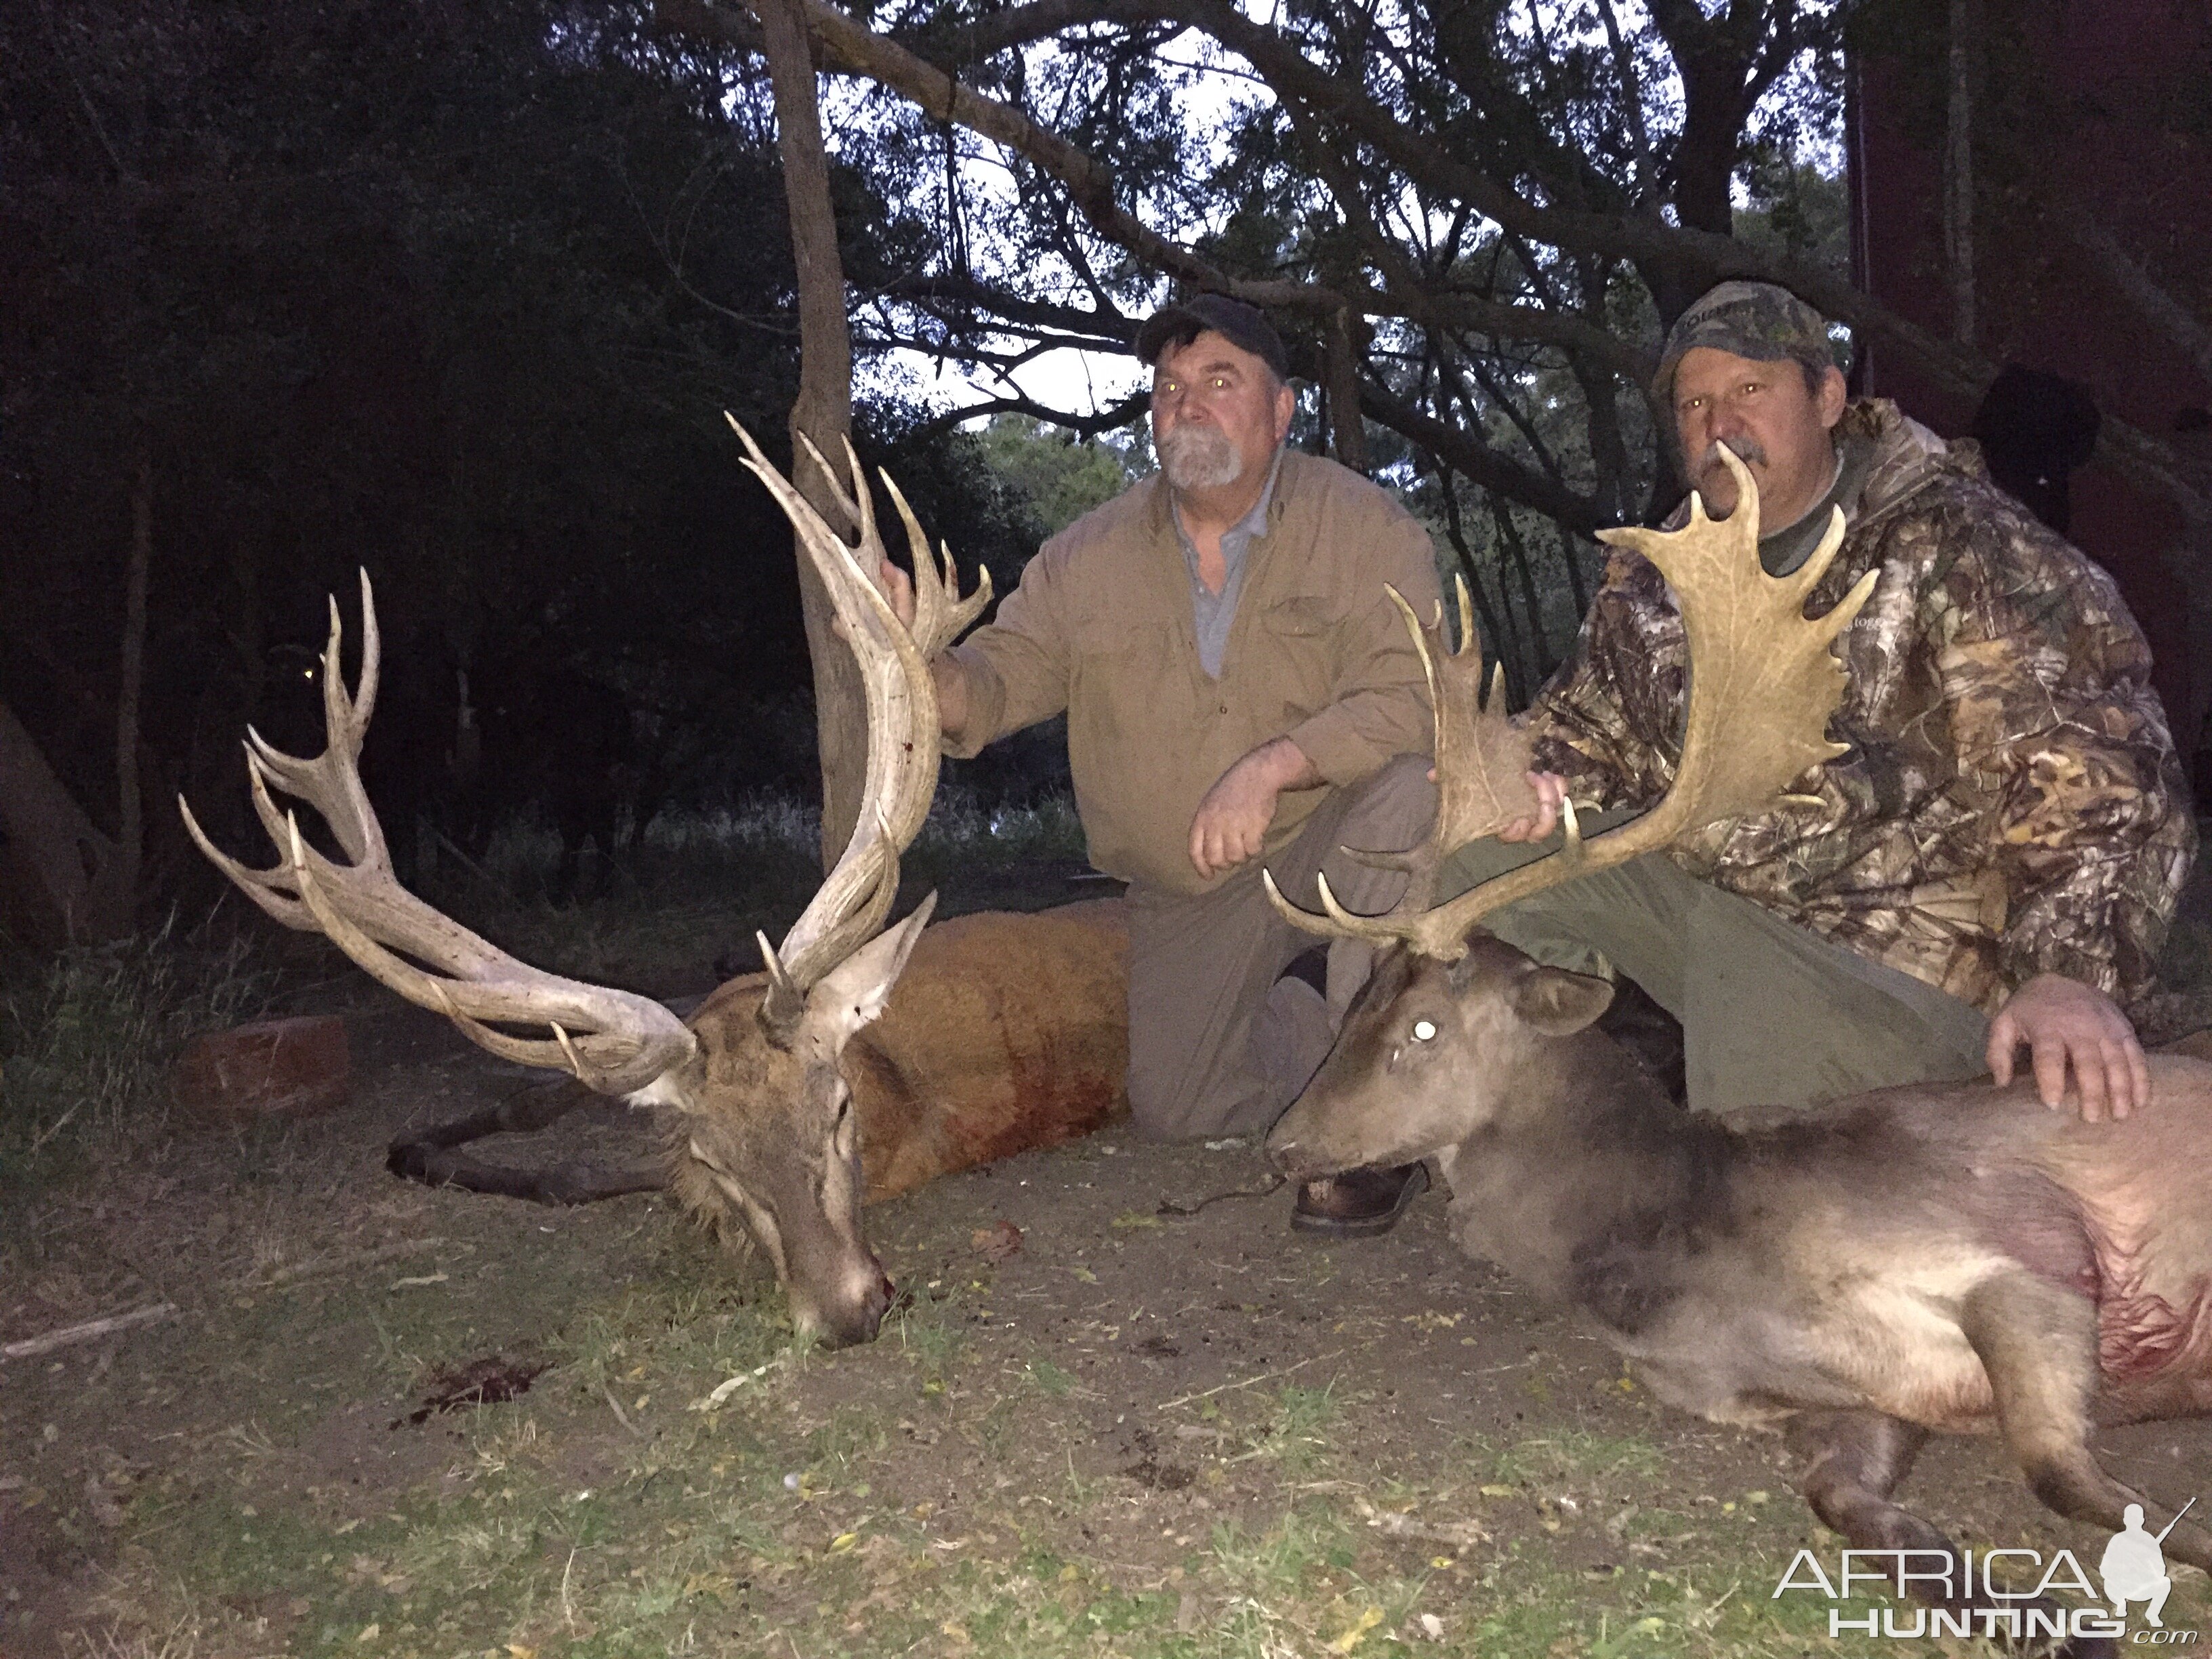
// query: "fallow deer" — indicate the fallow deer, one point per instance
point(1010, 1031)
point(1953, 1257)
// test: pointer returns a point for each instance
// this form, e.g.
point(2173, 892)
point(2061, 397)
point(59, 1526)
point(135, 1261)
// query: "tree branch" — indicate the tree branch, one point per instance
point(1465, 452)
point(1128, 412)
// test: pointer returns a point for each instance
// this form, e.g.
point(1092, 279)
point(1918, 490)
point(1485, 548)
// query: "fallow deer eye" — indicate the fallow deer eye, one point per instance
point(1423, 1030)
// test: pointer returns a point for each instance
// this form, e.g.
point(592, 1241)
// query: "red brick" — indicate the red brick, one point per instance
point(295, 1067)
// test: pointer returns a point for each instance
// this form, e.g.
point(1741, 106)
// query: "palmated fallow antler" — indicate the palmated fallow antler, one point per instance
point(612, 1040)
point(903, 748)
point(1764, 681)
point(1481, 767)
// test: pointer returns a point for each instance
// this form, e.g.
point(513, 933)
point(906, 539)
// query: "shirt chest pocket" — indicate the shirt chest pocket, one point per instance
point(1294, 654)
point(1120, 676)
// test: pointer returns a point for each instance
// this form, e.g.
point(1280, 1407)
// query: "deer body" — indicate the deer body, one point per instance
point(1953, 1258)
point(1014, 1036)
point(1928, 1258)
point(1006, 1032)
point(1821, 1263)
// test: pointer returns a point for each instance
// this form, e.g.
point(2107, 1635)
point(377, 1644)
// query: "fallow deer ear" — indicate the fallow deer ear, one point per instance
point(1558, 1003)
point(853, 993)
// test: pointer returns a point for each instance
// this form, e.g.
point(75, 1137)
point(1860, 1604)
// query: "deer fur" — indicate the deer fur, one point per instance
point(1953, 1258)
point(1005, 1032)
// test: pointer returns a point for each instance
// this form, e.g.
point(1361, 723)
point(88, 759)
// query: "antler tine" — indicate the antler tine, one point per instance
point(613, 1042)
point(904, 747)
point(1334, 921)
point(940, 616)
point(1764, 681)
point(331, 782)
point(1481, 767)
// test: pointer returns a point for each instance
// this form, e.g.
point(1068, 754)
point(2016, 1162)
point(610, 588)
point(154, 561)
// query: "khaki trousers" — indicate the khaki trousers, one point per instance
point(1217, 1046)
point(1773, 1014)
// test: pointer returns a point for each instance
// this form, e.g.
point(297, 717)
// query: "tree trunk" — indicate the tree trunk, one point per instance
point(1504, 642)
point(58, 875)
point(1340, 362)
point(1959, 175)
point(131, 834)
point(824, 412)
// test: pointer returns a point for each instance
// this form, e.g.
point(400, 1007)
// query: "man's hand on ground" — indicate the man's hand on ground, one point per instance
point(2064, 1021)
point(1551, 793)
point(1231, 822)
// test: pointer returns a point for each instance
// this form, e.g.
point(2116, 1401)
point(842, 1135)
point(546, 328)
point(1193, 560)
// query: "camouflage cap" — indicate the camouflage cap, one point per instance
point(1762, 321)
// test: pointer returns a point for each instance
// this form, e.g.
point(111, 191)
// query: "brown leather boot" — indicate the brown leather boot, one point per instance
point(1363, 1203)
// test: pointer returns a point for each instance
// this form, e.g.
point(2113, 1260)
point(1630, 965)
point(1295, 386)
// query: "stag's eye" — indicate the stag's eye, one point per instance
point(1424, 1030)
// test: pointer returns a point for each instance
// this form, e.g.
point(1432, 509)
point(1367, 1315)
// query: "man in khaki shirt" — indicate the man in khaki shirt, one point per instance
point(1239, 692)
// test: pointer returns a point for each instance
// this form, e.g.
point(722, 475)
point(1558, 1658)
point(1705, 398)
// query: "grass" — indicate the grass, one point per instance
point(958, 1489)
point(87, 1037)
point(796, 1519)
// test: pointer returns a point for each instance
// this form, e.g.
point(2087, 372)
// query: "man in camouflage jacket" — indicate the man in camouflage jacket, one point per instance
point(2010, 826)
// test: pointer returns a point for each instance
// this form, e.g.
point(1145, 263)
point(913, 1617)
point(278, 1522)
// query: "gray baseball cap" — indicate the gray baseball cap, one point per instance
point(1233, 319)
point(1762, 321)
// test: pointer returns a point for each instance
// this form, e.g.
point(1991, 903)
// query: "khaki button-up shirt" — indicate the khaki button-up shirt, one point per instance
point(1101, 626)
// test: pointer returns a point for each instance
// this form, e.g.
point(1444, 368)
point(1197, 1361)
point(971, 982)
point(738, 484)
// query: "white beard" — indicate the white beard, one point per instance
point(1200, 458)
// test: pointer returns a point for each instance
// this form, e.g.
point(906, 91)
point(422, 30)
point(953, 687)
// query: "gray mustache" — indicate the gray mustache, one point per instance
point(1747, 450)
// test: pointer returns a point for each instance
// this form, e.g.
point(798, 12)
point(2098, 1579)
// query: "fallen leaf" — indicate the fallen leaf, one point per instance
point(1130, 1221)
point(996, 1243)
point(1352, 1638)
point(843, 1542)
point(1496, 1492)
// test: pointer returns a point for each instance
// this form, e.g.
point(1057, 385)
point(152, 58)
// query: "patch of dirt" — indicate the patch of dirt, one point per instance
point(491, 1381)
point(1136, 1352)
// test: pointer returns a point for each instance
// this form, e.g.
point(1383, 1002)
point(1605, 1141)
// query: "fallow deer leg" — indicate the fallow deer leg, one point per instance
point(427, 1155)
point(1854, 1460)
point(2039, 1344)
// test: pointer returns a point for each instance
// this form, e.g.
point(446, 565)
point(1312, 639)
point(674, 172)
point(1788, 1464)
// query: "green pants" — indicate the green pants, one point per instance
point(1773, 1014)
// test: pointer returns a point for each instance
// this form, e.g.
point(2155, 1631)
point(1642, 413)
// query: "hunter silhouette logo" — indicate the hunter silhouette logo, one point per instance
point(2134, 1566)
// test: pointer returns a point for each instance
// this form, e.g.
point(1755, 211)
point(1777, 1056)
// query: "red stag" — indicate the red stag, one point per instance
point(795, 1101)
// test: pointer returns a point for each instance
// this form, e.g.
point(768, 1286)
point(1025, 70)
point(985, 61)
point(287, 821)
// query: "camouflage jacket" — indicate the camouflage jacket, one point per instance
point(2011, 804)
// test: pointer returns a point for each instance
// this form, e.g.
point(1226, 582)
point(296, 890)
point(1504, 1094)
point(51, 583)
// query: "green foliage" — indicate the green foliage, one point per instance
point(1062, 477)
point(87, 1037)
point(1797, 210)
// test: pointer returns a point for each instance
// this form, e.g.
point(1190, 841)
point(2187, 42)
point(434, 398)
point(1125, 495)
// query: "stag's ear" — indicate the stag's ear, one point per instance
point(854, 991)
point(1558, 1003)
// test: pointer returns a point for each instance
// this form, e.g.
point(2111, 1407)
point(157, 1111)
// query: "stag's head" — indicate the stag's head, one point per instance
point(769, 1142)
point(1436, 1044)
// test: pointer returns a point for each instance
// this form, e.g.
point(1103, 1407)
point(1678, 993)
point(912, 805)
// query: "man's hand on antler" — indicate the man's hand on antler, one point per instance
point(898, 587)
point(1551, 793)
point(2064, 1021)
point(1230, 824)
